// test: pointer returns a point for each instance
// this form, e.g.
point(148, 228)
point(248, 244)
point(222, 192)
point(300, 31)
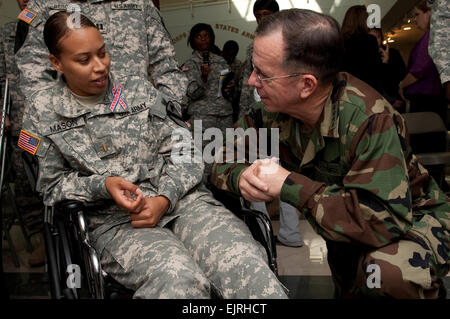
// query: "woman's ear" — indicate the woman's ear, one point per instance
point(307, 85)
point(55, 62)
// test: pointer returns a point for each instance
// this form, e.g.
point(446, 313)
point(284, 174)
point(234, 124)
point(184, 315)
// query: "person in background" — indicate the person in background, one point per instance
point(157, 230)
point(12, 36)
point(362, 58)
point(422, 85)
point(229, 53)
point(347, 163)
point(156, 3)
point(394, 70)
point(440, 41)
point(247, 95)
point(204, 71)
point(134, 32)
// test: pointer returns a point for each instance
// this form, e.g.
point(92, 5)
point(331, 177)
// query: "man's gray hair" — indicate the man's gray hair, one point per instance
point(313, 41)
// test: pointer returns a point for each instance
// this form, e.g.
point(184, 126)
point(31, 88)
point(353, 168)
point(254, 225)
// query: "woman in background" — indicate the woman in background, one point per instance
point(361, 58)
point(394, 70)
point(422, 84)
point(204, 71)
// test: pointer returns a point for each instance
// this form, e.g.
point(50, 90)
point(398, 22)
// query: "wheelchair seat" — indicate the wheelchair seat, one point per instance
point(68, 249)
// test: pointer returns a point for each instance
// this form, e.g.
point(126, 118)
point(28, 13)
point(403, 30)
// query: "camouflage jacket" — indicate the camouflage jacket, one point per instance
point(9, 70)
point(135, 38)
point(440, 37)
point(247, 95)
point(78, 147)
point(353, 176)
point(206, 98)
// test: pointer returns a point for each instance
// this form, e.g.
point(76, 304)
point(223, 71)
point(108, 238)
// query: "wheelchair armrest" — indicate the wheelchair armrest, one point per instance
point(70, 206)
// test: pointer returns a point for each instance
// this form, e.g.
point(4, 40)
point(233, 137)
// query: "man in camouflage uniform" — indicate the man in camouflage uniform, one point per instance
point(134, 34)
point(346, 163)
point(12, 36)
point(440, 40)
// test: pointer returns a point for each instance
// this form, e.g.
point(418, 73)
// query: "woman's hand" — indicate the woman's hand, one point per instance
point(126, 195)
point(385, 55)
point(153, 210)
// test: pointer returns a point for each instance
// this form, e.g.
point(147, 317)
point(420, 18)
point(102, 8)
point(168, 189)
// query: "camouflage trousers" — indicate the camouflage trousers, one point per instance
point(402, 269)
point(206, 251)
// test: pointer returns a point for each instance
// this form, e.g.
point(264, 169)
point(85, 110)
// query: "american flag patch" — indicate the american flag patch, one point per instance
point(27, 16)
point(28, 142)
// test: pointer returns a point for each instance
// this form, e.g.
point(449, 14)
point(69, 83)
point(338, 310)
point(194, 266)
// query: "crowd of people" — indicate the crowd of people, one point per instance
point(97, 105)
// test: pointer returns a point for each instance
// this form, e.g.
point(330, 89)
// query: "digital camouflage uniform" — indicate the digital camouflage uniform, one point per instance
point(135, 38)
point(247, 97)
point(360, 187)
point(9, 70)
point(198, 246)
point(206, 102)
point(440, 37)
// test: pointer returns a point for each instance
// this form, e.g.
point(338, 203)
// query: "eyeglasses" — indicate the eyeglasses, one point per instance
point(261, 79)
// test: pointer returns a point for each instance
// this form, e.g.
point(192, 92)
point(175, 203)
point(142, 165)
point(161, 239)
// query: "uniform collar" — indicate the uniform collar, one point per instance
point(76, 109)
point(329, 123)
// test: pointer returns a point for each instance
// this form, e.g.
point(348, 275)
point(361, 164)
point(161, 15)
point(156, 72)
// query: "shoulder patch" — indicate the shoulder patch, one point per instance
point(27, 16)
point(28, 142)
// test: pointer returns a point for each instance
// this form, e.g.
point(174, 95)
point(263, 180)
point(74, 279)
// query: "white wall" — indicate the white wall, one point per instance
point(9, 10)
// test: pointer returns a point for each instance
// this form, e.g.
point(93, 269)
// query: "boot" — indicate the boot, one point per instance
point(37, 257)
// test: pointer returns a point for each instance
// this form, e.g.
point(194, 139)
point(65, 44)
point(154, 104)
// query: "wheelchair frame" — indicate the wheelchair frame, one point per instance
point(67, 244)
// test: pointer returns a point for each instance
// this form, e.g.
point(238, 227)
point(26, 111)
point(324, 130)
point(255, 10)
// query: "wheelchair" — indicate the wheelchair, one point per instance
point(74, 265)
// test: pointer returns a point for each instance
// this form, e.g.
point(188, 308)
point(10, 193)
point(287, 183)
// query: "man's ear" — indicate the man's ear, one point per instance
point(55, 62)
point(307, 85)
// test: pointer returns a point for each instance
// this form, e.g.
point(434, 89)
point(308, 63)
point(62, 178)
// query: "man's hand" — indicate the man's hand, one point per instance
point(122, 192)
point(153, 210)
point(262, 181)
point(272, 174)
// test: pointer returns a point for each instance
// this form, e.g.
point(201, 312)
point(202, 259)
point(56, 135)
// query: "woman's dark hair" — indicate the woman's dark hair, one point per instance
point(312, 42)
point(270, 5)
point(423, 6)
point(58, 26)
point(355, 21)
point(196, 29)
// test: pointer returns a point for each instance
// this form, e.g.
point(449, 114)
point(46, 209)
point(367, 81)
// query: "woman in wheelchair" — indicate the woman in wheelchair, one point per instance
point(107, 141)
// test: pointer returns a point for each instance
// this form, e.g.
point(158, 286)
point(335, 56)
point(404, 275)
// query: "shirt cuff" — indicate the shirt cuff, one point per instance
point(234, 177)
point(99, 188)
point(297, 189)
